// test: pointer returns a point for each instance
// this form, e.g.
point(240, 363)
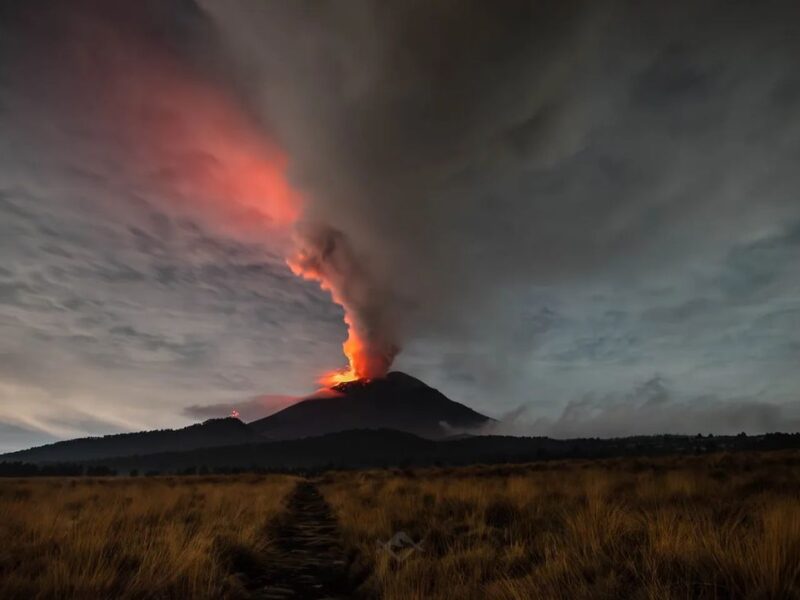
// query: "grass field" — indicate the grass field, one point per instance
point(695, 527)
point(720, 526)
point(133, 537)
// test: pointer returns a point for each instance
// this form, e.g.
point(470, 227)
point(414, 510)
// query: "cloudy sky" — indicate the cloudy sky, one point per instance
point(582, 217)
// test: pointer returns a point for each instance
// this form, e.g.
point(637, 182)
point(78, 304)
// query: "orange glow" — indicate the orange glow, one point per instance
point(333, 378)
point(234, 165)
point(357, 358)
point(198, 144)
point(204, 150)
point(248, 177)
point(215, 157)
point(249, 174)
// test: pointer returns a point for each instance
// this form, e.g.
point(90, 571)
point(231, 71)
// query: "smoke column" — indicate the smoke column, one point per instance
point(324, 255)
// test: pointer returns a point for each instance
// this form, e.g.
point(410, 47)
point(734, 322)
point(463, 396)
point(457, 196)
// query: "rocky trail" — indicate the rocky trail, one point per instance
point(309, 560)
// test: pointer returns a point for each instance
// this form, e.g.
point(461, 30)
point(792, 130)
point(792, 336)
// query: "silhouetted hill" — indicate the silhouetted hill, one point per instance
point(387, 448)
point(397, 401)
point(211, 433)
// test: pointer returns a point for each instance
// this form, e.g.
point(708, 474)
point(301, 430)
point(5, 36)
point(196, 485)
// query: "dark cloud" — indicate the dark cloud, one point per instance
point(537, 202)
point(479, 148)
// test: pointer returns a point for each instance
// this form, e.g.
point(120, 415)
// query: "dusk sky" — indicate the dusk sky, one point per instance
point(582, 218)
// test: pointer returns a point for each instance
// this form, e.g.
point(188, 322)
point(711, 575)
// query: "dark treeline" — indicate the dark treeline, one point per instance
point(22, 469)
point(359, 449)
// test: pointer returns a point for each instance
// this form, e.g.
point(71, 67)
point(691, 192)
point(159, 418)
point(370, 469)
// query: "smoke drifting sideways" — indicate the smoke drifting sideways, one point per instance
point(423, 161)
point(459, 157)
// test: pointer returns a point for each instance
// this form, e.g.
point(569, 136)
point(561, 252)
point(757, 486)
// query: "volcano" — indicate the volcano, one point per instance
point(397, 401)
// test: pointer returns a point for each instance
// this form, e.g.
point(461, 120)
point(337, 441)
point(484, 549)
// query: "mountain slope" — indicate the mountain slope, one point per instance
point(211, 433)
point(397, 401)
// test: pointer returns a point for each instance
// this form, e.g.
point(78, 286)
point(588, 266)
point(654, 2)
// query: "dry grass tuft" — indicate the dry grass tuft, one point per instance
point(696, 527)
point(134, 538)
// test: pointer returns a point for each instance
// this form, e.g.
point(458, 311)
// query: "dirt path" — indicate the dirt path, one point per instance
point(309, 561)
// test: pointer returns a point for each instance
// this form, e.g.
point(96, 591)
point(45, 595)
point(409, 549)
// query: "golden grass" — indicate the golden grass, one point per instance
point(696, 527)
point(133, 538)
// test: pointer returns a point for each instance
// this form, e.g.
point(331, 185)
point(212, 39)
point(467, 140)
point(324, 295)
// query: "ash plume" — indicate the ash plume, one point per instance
point(324, 255)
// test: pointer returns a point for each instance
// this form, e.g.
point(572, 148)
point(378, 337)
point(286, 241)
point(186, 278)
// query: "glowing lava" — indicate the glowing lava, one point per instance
point(357, 358)
point(333, 378)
